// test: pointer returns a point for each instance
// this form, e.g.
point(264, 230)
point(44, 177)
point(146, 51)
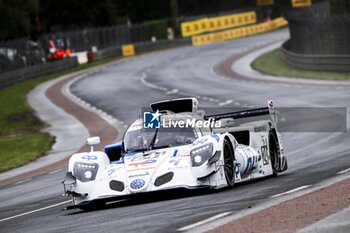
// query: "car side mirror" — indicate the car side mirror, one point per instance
point(93, 141)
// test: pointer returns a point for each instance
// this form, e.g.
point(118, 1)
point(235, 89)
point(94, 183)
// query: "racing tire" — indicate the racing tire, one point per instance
point(229, 164)
point(274, 153)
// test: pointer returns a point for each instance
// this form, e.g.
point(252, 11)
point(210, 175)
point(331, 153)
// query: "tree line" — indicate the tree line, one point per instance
point(31, 18)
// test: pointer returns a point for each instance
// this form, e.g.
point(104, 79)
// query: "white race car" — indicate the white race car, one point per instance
point(179, 147)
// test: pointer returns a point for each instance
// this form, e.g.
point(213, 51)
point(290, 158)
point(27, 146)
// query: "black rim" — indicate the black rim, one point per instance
point(273, 155)
point(228, 168)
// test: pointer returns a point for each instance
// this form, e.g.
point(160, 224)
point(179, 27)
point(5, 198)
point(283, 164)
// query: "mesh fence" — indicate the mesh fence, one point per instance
point(82, 40)
point(21, 53)
point(315, 31)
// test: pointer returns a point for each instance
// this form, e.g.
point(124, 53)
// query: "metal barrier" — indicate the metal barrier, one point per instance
point(27, 73)
point(161, 44)
point(318, 39)
point(316, 62)
point(30, 72)
point(142, 47)
point(16, 54)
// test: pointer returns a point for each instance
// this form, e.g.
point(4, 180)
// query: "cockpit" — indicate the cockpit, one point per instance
point(141, 139)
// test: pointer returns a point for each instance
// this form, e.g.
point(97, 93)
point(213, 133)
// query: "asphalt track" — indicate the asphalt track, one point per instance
point(122, 90)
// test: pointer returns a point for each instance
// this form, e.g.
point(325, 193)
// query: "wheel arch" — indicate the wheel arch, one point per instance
point(230, 143)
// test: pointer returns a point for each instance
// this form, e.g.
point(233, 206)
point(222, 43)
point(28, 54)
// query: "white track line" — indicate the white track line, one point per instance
point(226, 102)
point(185, 228)
point(55, 171)
point(174, 91)
point(291, 191)
point(34, 211)
point(344, 171)
point(22, 181)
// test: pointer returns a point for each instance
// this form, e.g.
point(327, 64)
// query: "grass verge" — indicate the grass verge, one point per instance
point(21, 139)
point(271, 63)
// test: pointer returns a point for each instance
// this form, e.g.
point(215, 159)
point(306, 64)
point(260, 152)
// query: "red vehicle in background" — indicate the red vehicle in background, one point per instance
point(58, 48)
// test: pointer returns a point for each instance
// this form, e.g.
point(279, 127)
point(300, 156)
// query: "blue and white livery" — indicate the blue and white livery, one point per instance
point(188, 150)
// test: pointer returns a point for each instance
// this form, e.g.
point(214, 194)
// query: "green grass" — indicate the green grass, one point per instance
point(21, 139)
point(271, 63)
point(17, 150)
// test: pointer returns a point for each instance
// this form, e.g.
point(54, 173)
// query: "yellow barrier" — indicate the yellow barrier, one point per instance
point(217, 23)
point(128, 50)
point(238, 32)
point(301, 3)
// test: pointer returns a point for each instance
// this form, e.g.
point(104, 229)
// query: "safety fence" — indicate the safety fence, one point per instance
point(104, 37)
point(26, 73)
point(20, 53)
point(318, 40)
point(319, 62)
point(239, 32)
point(138, 48)
point(30, 72)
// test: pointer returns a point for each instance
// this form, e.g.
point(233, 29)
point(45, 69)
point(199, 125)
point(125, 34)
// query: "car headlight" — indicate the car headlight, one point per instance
point(85, 171)
point(201, 154)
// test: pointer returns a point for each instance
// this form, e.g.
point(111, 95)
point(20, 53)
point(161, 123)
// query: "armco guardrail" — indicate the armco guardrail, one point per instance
point(142, 47)
point(161, 44)
point(27, 73)
point(315, 62)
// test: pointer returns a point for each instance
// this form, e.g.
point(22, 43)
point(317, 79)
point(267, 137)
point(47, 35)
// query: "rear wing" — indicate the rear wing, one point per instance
point(269, 110)
point(176, 105)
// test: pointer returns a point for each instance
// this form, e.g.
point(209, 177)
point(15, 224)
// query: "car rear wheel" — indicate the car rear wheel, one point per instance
point(274, 152)
point(229, 164)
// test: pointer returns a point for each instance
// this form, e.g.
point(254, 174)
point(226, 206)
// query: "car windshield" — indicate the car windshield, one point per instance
point(148, 139)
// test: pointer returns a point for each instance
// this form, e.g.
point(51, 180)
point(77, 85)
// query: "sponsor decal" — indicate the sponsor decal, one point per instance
point(137, 184)
point(128, 50)
point(142, 157)
point(301, 3)
point(175, 153)
point(264, 150)
point(146, 163)
point(201, 141)
point(141, 174)
point(261, 128)
point(110, 172)
point(89, 157)
point(175, 162)
point(237, 166)
point(176, 166)
point(140, 169)
point(216, 137)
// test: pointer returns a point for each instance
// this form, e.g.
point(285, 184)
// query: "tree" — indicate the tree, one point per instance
point(17, 17)
point(66, 14)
